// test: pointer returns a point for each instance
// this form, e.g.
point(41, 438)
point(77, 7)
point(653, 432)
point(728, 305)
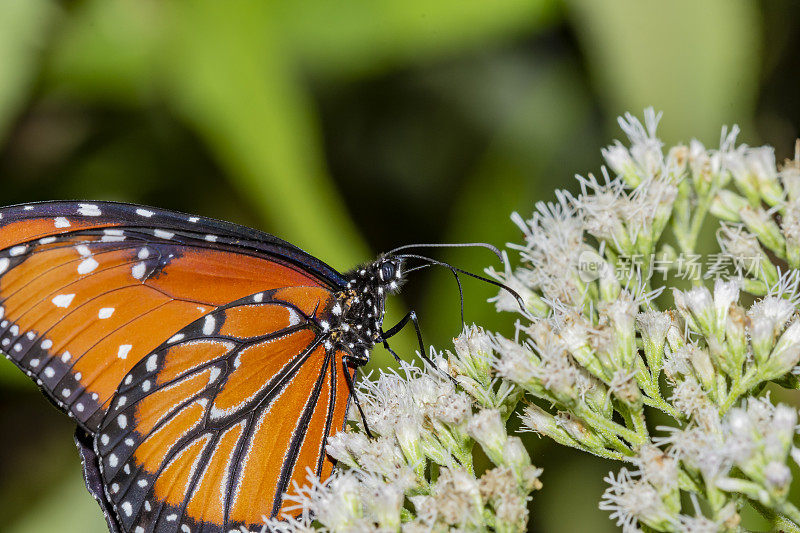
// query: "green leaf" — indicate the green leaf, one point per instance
point(696, 61)
point(23, 28)
point(362, 36)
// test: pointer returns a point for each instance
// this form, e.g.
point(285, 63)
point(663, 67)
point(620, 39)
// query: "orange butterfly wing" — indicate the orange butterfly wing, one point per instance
point(242, 396)
point(209, 430)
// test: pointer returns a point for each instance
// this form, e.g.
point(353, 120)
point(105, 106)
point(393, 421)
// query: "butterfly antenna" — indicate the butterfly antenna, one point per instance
point(488, 246)
point(455, 270)
point(452, 269)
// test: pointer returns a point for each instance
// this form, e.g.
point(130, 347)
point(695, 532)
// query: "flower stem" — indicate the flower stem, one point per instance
point(659, 403)
point(791, 512)
point(737, 389)
point(779, 522)
point(610, 428)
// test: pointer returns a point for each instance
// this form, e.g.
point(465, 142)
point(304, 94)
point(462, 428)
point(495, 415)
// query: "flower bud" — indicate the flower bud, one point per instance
point(703, 368)
point(619, 159)
point(767, 318)
point(580, 432)
point(777, 478)
point(760, 222)
point(727, 205)
point(653, 327)
point(786, 353)
point(487, 428)
point(697, 307)
point(540, 421)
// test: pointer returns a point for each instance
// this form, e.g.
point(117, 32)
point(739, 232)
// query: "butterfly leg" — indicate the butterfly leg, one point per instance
point(349, 379)
point(410, 317)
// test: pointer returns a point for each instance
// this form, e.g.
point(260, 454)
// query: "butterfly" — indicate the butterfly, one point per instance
point(205, 363)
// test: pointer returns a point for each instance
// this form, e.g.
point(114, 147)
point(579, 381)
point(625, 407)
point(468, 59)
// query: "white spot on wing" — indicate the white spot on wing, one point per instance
point(46, 344)
point(208, 325)
point(144, 213)
point(152, 361)
point(4, 264)
point(63, 300)
point(47, 240)
point(211, 238)
point(105, 312)
point(175, 338)
point(126, 506)
point(17, 250)
point(87, 265)
point(137, 270)
point(161, 234)
point(61, 222)
point(122, 353)
point(83, 250)
point(144, 253)
point(89, 210)
point(122, 421)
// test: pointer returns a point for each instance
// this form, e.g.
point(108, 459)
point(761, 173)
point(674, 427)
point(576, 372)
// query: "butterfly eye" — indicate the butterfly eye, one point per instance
point(387, 271)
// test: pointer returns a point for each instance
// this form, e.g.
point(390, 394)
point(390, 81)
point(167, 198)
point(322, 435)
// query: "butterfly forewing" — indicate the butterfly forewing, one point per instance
point(83, 303)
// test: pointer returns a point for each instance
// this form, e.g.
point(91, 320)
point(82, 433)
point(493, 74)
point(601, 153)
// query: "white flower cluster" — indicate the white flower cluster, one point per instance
point(594, 346)
point(611, 331)
point(420, 458)
point(745, 453)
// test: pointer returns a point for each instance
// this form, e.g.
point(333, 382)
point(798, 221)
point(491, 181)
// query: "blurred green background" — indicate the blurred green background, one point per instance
point(351, 127)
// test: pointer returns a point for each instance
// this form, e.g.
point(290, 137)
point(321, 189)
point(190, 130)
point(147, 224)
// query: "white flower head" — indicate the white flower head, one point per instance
point(645, 145)
point(553, 240)
point(657, 467)
point(632, 501)
point(604, 207)
point(487, 428)
point(767, 317)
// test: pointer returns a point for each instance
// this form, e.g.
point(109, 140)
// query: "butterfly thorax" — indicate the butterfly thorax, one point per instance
point(358, 309)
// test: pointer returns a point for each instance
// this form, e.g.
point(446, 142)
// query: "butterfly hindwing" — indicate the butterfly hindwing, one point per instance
point(92, 477)
point(209, 430)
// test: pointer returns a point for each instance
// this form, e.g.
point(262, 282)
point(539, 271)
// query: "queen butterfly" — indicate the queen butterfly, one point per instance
point(205, 363)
